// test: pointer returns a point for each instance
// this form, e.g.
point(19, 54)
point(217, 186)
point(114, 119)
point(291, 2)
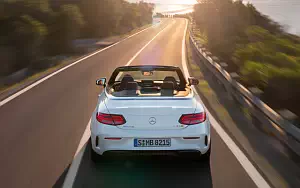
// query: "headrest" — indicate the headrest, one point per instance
point(131, 86)
point(167, 89)
point(170, 79)
point(127, 78)
point(167, 85)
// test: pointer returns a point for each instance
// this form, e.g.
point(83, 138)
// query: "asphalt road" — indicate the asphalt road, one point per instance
point(41, 129)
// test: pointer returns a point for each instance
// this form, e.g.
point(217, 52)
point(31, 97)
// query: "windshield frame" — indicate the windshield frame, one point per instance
point(181, 77)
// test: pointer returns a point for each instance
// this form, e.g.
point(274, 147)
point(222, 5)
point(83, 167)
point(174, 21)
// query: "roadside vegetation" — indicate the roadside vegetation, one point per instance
point(256, 47)
point(33, 32)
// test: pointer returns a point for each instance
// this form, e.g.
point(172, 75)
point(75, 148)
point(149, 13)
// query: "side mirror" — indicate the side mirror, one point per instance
point(193, 81)
point(101, 82)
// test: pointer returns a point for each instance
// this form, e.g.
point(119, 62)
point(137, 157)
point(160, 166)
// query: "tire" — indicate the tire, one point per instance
point(95, 157)
point(206, 156)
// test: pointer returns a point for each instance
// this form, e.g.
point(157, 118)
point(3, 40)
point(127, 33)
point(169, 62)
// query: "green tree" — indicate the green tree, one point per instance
point(42, 5)
point(68, 22)
point(106, 17)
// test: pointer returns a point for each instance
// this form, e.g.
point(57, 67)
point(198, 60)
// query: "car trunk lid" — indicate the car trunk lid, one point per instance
point(151, 114)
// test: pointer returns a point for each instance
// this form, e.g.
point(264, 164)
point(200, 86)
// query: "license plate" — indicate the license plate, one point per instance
point(152, 142)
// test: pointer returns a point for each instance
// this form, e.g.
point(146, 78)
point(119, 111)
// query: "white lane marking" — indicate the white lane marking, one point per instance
point(138, 53)
point(240, 156)
point(73, 170)
point(3, 102)
point(183, 53)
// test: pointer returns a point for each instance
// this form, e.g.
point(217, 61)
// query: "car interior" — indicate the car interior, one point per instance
point(128, 87)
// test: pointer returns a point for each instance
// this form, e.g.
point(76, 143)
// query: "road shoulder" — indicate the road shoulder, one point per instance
point(264, 152)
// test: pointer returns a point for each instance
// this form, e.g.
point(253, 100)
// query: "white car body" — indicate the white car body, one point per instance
point(149, 118)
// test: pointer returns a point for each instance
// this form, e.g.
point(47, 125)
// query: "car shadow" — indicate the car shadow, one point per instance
point(60, 181)
point(142, 171)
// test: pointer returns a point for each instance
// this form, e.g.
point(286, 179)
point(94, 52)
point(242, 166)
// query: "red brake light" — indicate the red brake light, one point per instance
point(110, 119)
point(192, 119)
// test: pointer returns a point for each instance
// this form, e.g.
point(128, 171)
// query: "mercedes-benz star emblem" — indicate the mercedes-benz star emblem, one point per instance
point(152, 120)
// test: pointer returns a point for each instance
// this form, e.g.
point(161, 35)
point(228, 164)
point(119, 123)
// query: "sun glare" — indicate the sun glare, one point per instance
point(185, 1)
point(176, 1)
point(169, 1)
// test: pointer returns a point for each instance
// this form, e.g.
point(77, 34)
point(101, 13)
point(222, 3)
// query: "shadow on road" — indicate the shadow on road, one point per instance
point(164, 171)
point(60, 181)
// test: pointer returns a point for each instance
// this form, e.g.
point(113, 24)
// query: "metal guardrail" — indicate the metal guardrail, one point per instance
point(284, 124)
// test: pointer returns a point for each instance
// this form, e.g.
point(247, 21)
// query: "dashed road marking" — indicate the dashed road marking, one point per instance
point(72, 172)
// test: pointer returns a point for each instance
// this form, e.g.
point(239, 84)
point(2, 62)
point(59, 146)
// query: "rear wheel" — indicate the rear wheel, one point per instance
point(202, 157)
point(206, 156)
point(95, 157)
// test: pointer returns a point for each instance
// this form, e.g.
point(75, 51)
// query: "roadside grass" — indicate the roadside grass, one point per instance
point(234, 118)
point(37, 75)
point(247, 113)
point(201, 37)
point(206, 92)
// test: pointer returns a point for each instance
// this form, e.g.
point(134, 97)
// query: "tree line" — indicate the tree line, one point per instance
point(32, 30)
point(254, 46)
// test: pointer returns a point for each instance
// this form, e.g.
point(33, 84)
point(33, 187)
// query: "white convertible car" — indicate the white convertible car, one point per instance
point(149, 110)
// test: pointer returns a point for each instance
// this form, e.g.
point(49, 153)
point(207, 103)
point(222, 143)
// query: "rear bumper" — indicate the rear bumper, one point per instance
point(179, 144)
point(126, 145)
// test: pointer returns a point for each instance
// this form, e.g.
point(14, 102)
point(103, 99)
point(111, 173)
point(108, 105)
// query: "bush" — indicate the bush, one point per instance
point(286, 46)
point(27, 36)
point(257, 34)
point(107, 17)
point(283, 60)
point(32, 30)
point(258, 51)
point(283, 90)
point(255, 73)
point(254, 45)
point(66, 28)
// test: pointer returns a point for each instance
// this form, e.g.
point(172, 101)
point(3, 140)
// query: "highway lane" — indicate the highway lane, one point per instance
point(222, 158)
point(41, 128)
point(223, 171)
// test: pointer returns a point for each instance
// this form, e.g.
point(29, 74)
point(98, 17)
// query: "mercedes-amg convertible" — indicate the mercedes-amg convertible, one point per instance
point(149, 110)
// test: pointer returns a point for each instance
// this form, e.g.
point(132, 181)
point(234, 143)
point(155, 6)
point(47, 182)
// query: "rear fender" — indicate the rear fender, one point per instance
point(101, 107)
point(200, 108)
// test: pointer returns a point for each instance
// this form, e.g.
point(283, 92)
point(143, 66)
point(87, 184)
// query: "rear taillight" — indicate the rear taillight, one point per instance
point(192, 119)
point(110, 119)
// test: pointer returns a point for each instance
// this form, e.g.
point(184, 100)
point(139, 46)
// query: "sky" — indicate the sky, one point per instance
point(285, 12)
point(170, 5)
point(169, 1)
